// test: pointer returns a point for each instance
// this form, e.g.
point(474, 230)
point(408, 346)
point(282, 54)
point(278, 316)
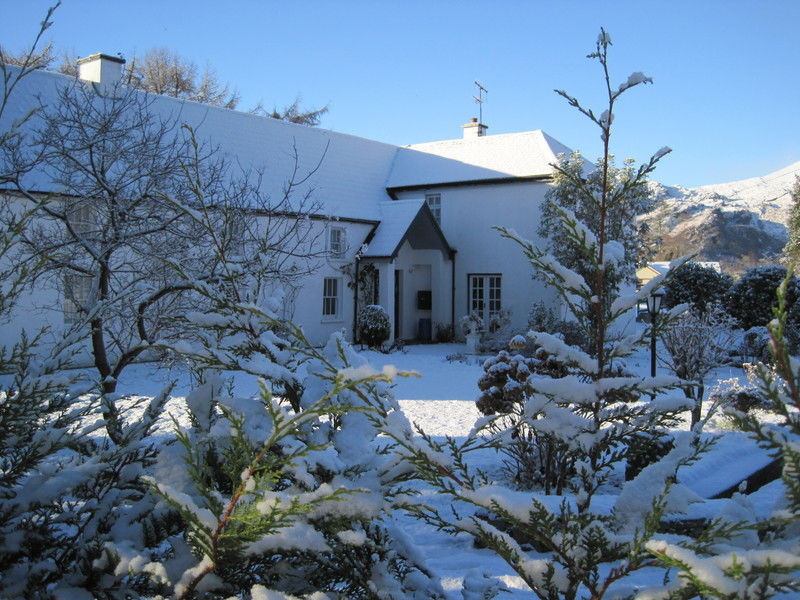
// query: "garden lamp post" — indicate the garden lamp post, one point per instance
point(653, 306)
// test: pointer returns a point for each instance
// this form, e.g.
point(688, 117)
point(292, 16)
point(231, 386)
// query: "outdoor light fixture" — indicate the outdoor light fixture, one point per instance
point(653, 307)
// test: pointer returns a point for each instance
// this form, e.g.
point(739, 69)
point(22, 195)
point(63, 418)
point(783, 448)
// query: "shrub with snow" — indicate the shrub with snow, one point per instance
point(751, 299)
point(754, 345)
point(295, 499)
point(697, 286)
point(373, 326)
point(472, 324)
point(696, 343)
point(543, 318)
point(498, 333)
point(533, 458)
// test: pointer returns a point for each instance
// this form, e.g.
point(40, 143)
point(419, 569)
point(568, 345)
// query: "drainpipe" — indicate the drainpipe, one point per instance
point(453, 290)
point(355, 300)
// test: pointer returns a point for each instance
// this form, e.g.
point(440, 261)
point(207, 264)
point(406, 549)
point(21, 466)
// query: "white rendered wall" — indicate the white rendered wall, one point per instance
point(305, 307)
point(468, 215)
point(35, 308)
point(43, 306)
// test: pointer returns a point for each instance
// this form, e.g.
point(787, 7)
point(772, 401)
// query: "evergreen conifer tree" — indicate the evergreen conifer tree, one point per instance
point(791, 252)
point(594, 413)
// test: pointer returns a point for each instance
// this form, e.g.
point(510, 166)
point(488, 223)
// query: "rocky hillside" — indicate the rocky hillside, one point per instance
point(739, 224)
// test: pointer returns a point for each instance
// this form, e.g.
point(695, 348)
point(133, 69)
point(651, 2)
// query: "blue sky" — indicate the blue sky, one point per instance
point(726, 73)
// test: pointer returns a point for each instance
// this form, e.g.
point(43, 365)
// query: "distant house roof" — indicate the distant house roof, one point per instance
point(403, 220)
point(653, 269)
point(664, 266)
point(482, 159)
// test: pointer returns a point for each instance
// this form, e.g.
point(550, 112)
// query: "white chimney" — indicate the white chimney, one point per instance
point(101, 68)
point(473, 129)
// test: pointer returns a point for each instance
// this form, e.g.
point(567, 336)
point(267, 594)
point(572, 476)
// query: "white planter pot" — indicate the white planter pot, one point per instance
point(473, 341)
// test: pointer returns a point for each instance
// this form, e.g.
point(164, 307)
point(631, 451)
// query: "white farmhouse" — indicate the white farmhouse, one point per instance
point(415, 222)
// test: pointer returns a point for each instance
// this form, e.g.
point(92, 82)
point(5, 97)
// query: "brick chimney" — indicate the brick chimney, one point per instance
point(473, 129)
point(101, 68)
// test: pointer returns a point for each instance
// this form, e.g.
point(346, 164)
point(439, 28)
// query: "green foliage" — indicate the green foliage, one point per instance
point(791, 252)
point(533, 458)
point(543, 318)
point(502, 383)
point(373, 326)
point(576, 191)
point(751, 300)
point(288, 490)
point(697, 286)
point(769, 564)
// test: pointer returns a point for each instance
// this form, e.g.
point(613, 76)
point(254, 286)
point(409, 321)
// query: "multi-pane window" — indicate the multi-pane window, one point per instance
point(236, 231)
point(485, 295)
point(337, 242)
point(80, 214)
point(434, 202)
point(331, 297)
point(77, 297)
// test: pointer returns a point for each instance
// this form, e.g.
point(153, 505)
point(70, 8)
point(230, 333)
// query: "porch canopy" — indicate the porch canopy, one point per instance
point(413, 266)
point(401, 221)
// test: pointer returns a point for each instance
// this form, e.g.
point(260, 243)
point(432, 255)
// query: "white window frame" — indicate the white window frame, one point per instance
point(332, 299)
point(337, 242)
point(80, 214)
point(77, 297)
point(237, 232)
point(485, 295)
point(434, 202)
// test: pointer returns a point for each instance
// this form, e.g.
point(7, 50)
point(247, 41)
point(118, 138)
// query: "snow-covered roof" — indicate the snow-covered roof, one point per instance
point(396, 218)
point(402, 220)
point(349, 183)
point(527, 154)
point(352, 174)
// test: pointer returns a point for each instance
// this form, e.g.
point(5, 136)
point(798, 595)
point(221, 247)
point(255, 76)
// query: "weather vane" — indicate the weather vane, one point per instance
point(480, 99)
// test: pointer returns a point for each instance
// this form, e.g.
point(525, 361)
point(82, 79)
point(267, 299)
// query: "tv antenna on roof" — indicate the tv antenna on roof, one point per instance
point(480, 100)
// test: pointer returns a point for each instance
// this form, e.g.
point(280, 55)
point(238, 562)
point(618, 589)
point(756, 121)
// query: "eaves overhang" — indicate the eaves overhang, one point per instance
point(392, 191)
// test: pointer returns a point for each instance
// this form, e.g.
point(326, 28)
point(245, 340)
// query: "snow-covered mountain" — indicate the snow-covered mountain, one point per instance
point(738, 224)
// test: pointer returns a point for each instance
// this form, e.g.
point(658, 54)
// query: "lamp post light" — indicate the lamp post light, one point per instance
point(653, 307)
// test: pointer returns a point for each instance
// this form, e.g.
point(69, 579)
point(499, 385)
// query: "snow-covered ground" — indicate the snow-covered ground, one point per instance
point(442, 402)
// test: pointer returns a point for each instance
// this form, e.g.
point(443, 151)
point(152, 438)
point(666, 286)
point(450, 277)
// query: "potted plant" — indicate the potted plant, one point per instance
point(472, 327)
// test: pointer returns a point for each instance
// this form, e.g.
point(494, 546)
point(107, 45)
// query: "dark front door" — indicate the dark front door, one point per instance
point(398, 303)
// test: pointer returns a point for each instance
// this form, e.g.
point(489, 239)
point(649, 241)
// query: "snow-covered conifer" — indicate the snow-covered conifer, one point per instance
point(791, 251)
point(585, 547)
point(742, 564)
point(633, 198)
point(292, 488)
